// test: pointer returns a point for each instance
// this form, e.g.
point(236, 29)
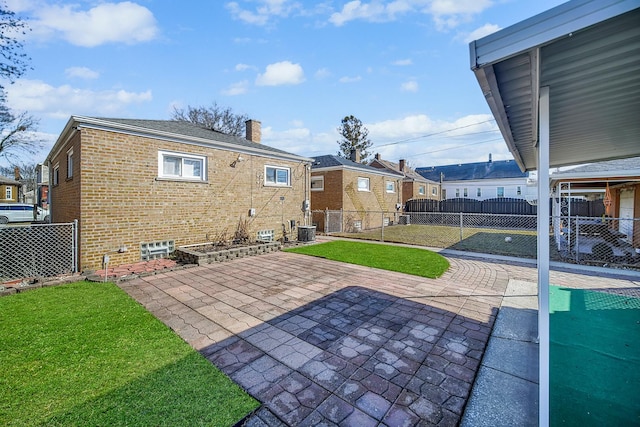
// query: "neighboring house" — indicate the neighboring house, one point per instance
point(152, 185)
point(368, 196)
point(42, 185)
point(480, 181)
point(591, 181)
point(10, 190)
point(414, 185)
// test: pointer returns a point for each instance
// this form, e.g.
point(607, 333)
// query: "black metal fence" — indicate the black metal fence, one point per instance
point(502, 205)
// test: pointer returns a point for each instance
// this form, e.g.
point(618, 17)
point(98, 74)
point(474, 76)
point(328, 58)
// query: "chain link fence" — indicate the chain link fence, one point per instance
point(581, 240)
point(38, 250)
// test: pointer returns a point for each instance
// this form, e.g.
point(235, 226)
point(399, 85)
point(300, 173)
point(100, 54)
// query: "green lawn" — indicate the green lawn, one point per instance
point(419, 262)
point(87, 354)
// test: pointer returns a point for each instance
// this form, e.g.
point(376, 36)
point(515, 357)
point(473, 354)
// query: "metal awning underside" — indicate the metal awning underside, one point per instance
point(588, 53)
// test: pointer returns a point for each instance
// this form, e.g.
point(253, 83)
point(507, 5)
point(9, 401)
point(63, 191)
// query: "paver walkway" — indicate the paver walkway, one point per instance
point(326, 343)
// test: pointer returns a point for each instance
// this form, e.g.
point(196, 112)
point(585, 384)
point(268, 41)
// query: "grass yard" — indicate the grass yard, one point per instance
point(87, 354)
point(523, 243)
point(415, 261)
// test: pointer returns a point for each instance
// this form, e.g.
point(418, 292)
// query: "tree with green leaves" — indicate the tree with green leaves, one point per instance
point(17, 131)
point(214, 117)
point(354, 137)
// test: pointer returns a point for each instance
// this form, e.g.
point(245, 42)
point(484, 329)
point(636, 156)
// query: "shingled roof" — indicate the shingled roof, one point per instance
point(500, 169)
point(407, 172)
point(334, 161)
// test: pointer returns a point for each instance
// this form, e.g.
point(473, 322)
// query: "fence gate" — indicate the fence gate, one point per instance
point(38, 250)
point(334, 221)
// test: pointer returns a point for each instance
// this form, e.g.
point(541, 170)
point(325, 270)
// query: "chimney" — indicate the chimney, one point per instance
point(401, 165)
point(489, 157)
point(378, 157)
point(16, 173)
point(355, 155)
point(254, 130)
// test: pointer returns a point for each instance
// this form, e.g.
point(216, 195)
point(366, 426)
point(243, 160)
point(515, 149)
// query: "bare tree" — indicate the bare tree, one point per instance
point(214, 117)
point(28, 174)
point(354, 136)
point(16, 131)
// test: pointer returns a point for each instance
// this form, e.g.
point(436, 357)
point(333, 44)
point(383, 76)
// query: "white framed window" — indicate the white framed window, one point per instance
point(434, 191)
point(519, 190)
point(500, 192)
point(317, 183)
point(478, 192)
point(466, 193)
point(56, 174)
point(422, 190)
point(277, 176)
point(390, 186)
point(363, 184)
point(457, 192)
point(444, 193)
point(189, 167)
point(8, 192)
point(70, 163)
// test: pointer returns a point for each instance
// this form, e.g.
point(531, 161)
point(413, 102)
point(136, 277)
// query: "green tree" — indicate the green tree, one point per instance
point(354, 137)
point(17, 131)
point(214, 117)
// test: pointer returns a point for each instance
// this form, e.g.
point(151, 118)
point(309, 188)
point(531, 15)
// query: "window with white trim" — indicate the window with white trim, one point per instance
point(8, 192)
point(56, 174)
point(317, 183)
point(277, 176)
point(70, 163)
point(519, 190)
point(500, 192)
point(189, 167)
point(466, 193)
point(422, 190)
point(363, 184)
point(434, 191)
point(457, 192)
point(478, 192)
point(391, 187)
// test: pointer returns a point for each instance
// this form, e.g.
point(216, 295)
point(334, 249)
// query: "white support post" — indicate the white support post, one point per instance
point(543, 256)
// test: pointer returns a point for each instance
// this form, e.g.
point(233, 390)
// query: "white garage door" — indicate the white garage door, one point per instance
point(626, 213)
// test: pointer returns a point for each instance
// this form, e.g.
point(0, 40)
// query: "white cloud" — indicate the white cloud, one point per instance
point(124, 22)
point(281, 73)
point(81, 73)
point(479, 33)
point(243, 67)
point(238, 88)
point(446, 14)
point(264, 12)
point(402, 62)
point(348, 79)
point(410, 86)
point(322, 73)
point(63, 101)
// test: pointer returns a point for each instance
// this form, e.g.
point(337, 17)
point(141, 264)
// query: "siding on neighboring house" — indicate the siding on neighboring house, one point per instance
point(9, 190)
point(119, 198)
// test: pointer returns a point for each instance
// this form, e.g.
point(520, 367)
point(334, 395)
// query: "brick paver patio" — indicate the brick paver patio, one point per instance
point(325, 343)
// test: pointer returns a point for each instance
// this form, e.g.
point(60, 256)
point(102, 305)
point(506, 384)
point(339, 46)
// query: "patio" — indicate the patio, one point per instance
point(320, 342)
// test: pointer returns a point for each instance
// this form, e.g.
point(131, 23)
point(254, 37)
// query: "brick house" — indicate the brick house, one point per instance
point(414, 185)
point(161, 184)
point(367, 196)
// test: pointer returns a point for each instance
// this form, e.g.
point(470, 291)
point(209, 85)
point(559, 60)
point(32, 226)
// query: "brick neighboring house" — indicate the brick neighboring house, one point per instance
point(149, 183)
point(361, 191)
point(414, 185)
point(10, 190)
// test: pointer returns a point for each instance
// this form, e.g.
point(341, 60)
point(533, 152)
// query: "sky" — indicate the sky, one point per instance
point(402, 67)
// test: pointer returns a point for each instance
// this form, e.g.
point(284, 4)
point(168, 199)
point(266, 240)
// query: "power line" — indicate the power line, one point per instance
point(459, 146)
point(432, 134)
